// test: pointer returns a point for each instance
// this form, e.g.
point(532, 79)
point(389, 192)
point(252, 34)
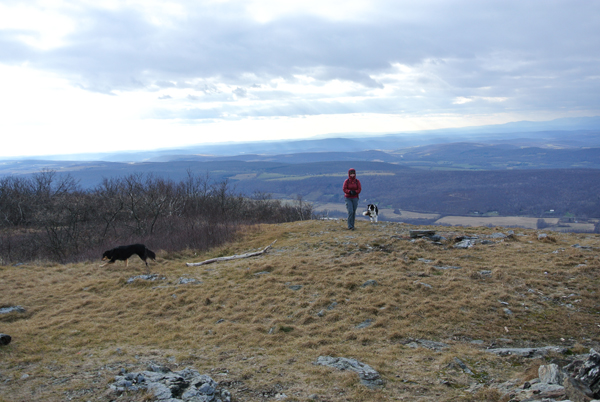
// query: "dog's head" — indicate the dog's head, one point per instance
point(107, 255)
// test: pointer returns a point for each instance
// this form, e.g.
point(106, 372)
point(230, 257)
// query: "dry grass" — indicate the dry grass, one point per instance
point(247, 328)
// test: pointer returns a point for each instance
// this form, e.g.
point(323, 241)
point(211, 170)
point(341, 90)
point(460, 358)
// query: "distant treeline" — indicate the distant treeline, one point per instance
point(49, 217)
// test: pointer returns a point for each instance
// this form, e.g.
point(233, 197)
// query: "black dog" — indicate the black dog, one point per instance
point(123, 253)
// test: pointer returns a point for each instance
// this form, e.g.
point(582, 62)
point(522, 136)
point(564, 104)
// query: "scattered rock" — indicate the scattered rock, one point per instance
point(180, 386)
point(370, 282)
point(498, 236)
point(425, 285)
point(10, 309)
point(192, 281)
point(368, 376)
point(527, 352)
point(295, 287)
point(462, 366)
point(587, 377)
point(550, 374)
point(421, 233)
point(424, 343)
point(148, 277)
point(365, 324)
point(466, 243)
point(446, 267)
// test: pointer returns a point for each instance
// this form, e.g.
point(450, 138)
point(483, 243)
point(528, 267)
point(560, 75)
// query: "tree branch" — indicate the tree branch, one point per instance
point(231, 257)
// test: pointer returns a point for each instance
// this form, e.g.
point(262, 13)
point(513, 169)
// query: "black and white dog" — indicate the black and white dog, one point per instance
point(372, 212)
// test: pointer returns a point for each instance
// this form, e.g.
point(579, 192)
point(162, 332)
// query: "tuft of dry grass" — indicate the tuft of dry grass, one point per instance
point(257, 325)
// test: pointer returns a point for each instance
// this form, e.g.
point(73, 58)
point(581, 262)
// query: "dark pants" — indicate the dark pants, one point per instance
point(351, 206)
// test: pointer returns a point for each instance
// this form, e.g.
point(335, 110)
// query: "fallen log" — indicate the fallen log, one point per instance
point(231, 257)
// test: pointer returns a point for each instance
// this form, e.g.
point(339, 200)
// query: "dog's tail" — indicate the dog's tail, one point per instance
point(150, 254)
point(366, 213)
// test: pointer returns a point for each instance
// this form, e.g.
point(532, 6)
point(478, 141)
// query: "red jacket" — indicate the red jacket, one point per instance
point(351, 185)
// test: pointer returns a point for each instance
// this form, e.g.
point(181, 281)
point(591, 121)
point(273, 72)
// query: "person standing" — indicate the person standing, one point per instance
point(352, 189)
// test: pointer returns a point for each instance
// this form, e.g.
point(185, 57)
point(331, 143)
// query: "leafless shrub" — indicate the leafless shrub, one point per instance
point(50, 217)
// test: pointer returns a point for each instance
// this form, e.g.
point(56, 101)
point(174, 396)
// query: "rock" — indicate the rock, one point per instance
point(466, 243)
point(370, 282)
point(497, 236)
point(550, 374)
point(365, 324)
point(11, 309)
point(368, 376)
point(576, 391)
point(463, 366)
point(421, 233)
point(588, 374)
point(424, 343)
point(446, 267)
point(185, 281)
point(5, 339)
point(149, 277)
point(295, 287)
point(181, 386)
point(527, 352)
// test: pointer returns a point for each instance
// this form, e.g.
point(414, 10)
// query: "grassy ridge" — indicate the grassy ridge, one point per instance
point(248, 329)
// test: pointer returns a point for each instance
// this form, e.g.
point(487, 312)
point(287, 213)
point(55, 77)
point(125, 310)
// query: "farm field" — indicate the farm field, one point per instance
point(385, 213)
point(506, 221)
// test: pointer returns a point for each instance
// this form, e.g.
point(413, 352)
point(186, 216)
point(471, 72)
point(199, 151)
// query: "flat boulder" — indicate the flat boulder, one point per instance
point(368, 376)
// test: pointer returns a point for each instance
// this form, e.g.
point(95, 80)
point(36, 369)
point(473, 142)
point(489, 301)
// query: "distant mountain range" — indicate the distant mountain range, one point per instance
point(505, 170)
point(562, 133)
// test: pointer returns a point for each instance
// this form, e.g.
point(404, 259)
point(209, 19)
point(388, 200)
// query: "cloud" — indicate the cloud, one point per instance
point(233, 59)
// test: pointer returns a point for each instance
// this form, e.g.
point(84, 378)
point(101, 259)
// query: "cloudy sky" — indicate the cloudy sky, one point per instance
point(103, 75)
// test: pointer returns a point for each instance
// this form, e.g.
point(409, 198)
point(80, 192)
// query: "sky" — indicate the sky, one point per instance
point(108, 75)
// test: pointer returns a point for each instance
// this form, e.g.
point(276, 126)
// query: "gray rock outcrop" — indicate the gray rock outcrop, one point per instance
point(579, 381)
point(172, 386)
point(368, 376)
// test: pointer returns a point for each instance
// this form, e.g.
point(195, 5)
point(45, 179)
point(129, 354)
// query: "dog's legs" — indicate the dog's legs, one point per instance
point(376, 218)
point(127, 262)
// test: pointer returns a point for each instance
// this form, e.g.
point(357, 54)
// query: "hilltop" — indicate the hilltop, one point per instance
point(410, 308)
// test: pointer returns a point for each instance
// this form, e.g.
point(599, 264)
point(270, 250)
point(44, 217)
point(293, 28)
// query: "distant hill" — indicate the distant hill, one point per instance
point(522, 168)
point(560, 133)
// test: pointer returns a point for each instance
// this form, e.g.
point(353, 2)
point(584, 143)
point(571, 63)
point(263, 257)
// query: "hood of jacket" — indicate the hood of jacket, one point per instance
point(351, 170)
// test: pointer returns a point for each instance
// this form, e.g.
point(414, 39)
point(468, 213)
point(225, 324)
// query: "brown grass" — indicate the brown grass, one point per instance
point(247, 328)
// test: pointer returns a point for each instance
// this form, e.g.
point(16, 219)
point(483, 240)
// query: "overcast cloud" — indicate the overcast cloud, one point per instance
point(89, 76)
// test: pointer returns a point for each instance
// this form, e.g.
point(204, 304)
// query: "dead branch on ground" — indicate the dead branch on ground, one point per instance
point(231, 257)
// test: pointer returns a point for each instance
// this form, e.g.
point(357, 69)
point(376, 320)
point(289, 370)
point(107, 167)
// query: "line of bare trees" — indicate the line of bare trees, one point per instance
point(49, 217)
